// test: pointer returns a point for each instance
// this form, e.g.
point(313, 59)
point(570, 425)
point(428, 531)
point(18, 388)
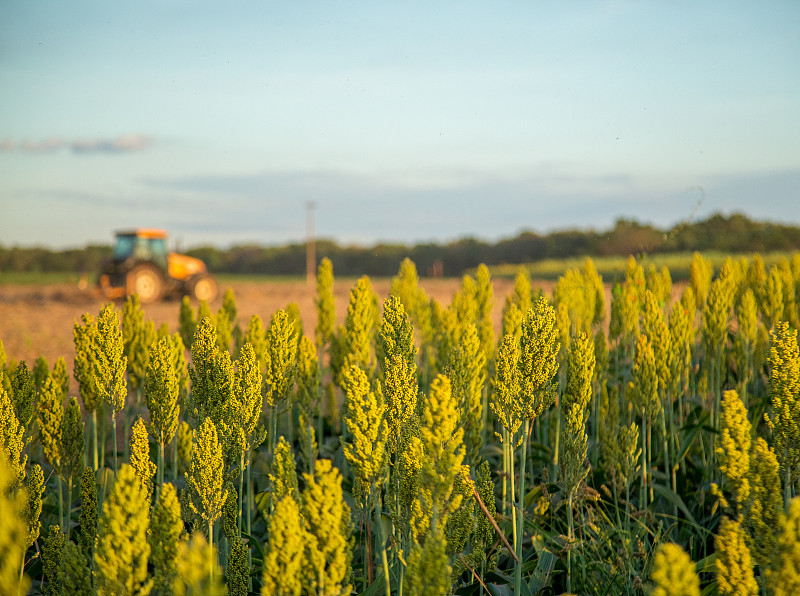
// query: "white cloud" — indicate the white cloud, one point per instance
point(121, 144)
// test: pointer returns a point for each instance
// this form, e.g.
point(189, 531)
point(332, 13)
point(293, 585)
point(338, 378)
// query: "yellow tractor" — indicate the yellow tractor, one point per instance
point(141, 265)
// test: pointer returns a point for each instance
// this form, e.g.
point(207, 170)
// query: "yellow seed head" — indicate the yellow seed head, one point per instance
point(734, 564)
point(673, 572)
point(284, 554)
point(733, 446)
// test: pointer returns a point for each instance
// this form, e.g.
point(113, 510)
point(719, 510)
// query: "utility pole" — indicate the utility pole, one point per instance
point(311, 247)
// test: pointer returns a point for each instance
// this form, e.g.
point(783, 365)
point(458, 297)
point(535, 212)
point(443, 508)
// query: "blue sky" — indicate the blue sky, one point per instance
point(401, 121)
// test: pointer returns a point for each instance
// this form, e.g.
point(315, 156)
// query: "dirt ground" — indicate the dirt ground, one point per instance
point(37, 320)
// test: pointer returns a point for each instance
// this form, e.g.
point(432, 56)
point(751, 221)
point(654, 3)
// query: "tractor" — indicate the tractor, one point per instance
point(141, 265)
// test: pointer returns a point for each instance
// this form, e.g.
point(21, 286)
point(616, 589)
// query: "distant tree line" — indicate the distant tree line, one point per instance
point(730, 234)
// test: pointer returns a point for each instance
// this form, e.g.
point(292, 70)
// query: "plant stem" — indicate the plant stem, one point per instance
point(506, 440)
point(249, 496)
point(102, 436)
point(311, 456)
point(513, 509)
point(368, 563)
point(241, 494)
point(125, 435)
point(787, 486)
point(402, 577)
point(666, 453)
point(571, 530)
point(557, 413)
point(273, 418)
point(521, 505)
point(60, 503)
point(160, 468)
point(493, 522)
point(211, 554)
point(114, 430)
point(94, 436)
point(69, 507)
point(627, 508)
point(175, 459)
point(21, 574)
point(649, 460)
point(643, 501)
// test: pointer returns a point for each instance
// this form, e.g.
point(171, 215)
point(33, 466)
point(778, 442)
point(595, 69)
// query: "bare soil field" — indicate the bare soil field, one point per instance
point(37, 320)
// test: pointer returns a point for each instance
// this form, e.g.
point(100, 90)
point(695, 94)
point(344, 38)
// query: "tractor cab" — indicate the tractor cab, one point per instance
point(142, 245)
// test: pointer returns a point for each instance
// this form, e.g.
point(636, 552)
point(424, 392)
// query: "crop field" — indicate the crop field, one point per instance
point(488, 435)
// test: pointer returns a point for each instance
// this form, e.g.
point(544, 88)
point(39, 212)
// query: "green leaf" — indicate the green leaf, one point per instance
point(105, 483)
point(691, 434)
point(711, 588)
point(496, 577)
point(675, 499)
point(541, 575)
point(262, 503)
point(254, 544)
point(707, 565)
point(491, 450)
point(524, 589)
point(496, 590)
point(378, 586)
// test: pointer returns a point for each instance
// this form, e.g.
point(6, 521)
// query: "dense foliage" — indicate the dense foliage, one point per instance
point(646, 445)
point(726, 234)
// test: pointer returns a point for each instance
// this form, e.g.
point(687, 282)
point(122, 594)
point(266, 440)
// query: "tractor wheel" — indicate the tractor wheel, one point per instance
point(203, 287)
point(146, 281)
